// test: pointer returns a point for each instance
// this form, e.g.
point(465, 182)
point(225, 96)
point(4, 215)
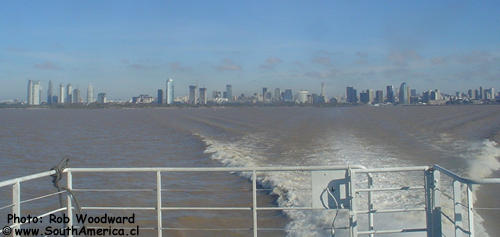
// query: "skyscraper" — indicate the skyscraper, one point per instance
point(364, 97)
point(264, 93)
point(351, 95)
point(76, 97)
point(277, 95)
point(90, 94)
point(323, 90)
point(229, 92)
point(101, 98)
point(379, 96)
point(34, 93)
point(50, 94)
point(69, 91)
point(192, 95)
point(203, 96)
point(61, 93)
point(390, 94)
point(403, 94)
point(29, 97)
point(288, 96)
point(170, 91)
point(302, 97)
point(159, 98)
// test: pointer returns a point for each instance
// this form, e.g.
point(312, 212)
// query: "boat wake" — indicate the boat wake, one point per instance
point(293, 188)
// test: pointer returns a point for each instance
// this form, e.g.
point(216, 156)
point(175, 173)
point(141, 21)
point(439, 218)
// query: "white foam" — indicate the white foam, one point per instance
point(291, 187)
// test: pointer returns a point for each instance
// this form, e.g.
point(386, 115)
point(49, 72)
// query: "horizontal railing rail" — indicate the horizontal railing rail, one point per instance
point(431, 187)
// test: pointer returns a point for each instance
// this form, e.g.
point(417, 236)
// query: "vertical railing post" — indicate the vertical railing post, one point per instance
point(432, 202)
point(16, 203)
point(436, 204)
point(370, 204)
point(69, 206)
point(470, 206)
point(158, 202)
point(254, 202)
point(353, 222)
point(457, 199)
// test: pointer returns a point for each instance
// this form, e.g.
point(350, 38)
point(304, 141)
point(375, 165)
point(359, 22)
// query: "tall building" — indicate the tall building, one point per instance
point(34, 95)
point(229, 92)
point(351, 95)
point(29, 96)
point(61, 93)
point(90, 94)
point(101, 98)
point(192, 95)
point(277, 95)
point(159, 98)
point(404, 97)
point(323, 90)
point(364, 97)
point(379, 96)
point(302, 97)
point(37, 93)
point(203, 96)
point(170, 91)
point(76, 97)
point(69, 91)
point(288, 96)
point(390, 94)
point(264, 93)
point(50, 94)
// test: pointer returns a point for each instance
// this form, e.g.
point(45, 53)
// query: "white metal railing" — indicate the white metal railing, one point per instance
point(431, 186)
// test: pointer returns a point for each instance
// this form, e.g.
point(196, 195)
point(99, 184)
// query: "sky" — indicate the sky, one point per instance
point(127, 48)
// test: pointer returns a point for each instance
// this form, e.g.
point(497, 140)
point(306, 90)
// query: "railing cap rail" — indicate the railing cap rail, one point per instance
point(466, 180)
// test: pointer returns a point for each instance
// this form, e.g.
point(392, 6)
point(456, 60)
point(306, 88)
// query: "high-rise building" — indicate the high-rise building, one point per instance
point(435, 95)
point(351, 95)
point(34, 92)
point(364, 97)
point(61, 93)
point(29, 96)
point(390, 94)
point(229, 92)
point(404, 97)
point(50, 94)
point(90, 94)
point(323, 93)
point(288, 96)
point(277, 95)
point(69, 91)
point(170, 91)
point(76, 97)
point(264, 93)
point(481, 93)
point(192, 95)
point(34, 95)
point(379, 96)
point(101, 98)
point(159, 98)
point(203, 96)
point(302, 97)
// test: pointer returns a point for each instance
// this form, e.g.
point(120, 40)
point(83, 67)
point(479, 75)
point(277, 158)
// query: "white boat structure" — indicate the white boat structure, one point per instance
point(333, 187)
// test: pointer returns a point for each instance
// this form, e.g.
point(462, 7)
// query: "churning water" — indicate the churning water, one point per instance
point(461, 138)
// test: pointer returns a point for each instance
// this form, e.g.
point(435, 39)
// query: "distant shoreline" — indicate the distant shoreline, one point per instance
point(139, 106)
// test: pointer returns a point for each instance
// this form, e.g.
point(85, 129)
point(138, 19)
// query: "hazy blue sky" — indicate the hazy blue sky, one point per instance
point(130, 47)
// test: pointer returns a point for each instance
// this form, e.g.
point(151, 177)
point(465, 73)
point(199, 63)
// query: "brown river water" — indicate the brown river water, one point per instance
point(464, 139)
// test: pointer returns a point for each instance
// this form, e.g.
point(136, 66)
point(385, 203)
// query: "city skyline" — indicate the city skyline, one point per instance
point(199, 96)
point(428, 44)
